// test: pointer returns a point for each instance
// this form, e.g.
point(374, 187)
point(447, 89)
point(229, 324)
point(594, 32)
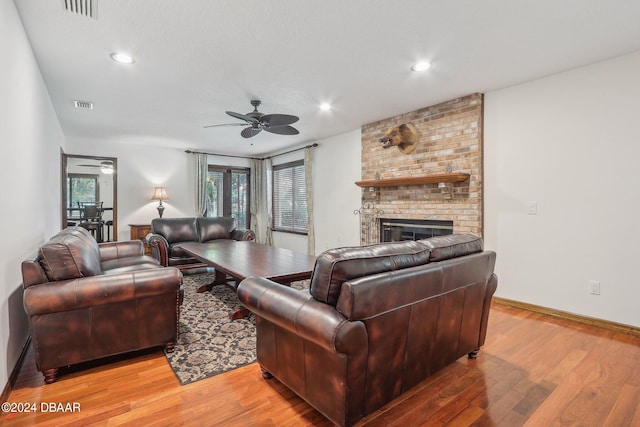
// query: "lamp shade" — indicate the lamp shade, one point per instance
point(160, 193)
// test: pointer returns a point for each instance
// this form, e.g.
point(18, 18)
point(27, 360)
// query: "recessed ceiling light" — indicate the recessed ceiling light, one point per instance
point(122, 58)
point(421, 66)
point(325, 106)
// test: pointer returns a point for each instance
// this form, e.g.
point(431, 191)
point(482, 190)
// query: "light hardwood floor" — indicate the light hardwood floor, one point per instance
point(534, 370)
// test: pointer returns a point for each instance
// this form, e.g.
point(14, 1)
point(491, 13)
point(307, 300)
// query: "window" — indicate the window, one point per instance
point(81, 188)
point(290, 198)
point(228, 194)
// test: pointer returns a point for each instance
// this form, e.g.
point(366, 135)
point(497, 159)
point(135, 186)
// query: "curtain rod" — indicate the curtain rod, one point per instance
point(221, 155)
point(315, 144)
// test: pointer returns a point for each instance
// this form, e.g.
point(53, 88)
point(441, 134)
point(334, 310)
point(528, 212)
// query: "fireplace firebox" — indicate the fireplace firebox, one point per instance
point(396, 230)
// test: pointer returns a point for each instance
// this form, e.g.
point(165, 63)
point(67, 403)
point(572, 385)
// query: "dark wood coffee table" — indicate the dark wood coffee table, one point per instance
point(241, 259)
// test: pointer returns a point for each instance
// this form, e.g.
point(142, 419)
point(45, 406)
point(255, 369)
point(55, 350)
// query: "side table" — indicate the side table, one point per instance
point(139, 232)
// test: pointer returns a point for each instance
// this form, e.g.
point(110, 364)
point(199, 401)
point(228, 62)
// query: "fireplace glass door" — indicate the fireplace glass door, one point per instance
point(396, 230)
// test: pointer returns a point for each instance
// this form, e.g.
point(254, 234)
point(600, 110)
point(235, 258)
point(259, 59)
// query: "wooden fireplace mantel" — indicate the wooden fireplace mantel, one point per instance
point(414, 180)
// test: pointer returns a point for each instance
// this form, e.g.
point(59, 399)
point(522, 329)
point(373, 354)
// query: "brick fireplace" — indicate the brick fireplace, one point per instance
point(441, 180)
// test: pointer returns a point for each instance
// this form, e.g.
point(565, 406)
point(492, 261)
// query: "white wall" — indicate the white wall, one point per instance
point(31, 138)
point(569, 142)
point(336, 168)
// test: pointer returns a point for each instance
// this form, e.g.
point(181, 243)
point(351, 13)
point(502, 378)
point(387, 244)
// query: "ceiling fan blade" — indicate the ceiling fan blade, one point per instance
point(279, 119)
point(282, 130)
point(250, 131)
point(244, 117)
point(225, 124)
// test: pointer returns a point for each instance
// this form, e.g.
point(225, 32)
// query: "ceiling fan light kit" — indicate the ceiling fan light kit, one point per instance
point(106, 166)
point(257, 122)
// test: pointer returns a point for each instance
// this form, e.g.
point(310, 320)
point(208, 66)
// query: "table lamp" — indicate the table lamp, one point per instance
point(160, 193)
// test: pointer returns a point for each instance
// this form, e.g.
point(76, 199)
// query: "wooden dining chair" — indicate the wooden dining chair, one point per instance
point(91, 218)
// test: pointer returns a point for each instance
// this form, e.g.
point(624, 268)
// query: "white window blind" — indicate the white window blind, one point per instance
point(290, 198)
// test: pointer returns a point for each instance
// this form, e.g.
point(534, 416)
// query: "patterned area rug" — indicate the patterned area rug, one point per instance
point(209, 342)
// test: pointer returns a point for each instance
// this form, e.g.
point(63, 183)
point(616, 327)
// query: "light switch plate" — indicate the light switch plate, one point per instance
point(532, 208)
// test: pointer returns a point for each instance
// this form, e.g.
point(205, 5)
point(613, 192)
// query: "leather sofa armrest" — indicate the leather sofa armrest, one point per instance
point(159, 248)
point(75, 294)
point(32, 273)
point(301, 314)
point(115, 250)
point(239, 234)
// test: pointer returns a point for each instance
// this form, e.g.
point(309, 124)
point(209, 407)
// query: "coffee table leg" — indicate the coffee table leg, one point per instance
point(239, 313)
point(220, 279)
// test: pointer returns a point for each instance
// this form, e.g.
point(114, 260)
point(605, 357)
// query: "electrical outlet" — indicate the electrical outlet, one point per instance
point(594, 287)
point(532, 208)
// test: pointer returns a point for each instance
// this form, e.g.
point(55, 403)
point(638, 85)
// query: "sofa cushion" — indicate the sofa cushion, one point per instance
point(70, 254)
point(215, 228)
point(336, 266)
point(133, 267)
point(175, 229)
point(452, 246)
point(108, 267)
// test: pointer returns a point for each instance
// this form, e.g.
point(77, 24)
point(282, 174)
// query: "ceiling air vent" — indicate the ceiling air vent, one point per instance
point(88, 8)
point(86, 105)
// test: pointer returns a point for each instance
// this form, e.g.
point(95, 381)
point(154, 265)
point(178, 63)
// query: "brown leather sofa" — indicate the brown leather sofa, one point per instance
point(167, 234)
point(375, 322)
point(87, 300)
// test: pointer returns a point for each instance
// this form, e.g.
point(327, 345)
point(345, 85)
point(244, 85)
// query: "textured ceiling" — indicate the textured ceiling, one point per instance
point(196, 59)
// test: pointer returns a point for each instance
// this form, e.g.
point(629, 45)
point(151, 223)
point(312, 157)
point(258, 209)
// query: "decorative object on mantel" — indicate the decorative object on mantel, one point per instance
point(370, 224)
point(415, 180)
point(160, 193)
point(404, 136)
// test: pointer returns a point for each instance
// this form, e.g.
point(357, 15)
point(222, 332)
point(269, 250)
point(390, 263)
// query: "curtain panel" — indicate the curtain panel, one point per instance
point(257, 194)
point(201, 184)
point(268, 173)
point(311, 239)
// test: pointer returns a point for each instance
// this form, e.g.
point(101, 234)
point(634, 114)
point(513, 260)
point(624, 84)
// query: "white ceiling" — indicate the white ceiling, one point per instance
point(195, 59)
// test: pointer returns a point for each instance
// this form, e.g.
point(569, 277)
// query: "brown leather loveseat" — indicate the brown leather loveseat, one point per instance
point(375, 322)
point(167, 234)
point(87, 300)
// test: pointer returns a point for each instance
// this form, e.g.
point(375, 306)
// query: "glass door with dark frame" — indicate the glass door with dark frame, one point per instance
point(81, 188)
point(89, 179)
point(228, 194)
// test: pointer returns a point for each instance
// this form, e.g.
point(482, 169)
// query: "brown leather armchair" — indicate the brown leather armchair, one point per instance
point(375, 321)
point(86, 300)
point(167, 234)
